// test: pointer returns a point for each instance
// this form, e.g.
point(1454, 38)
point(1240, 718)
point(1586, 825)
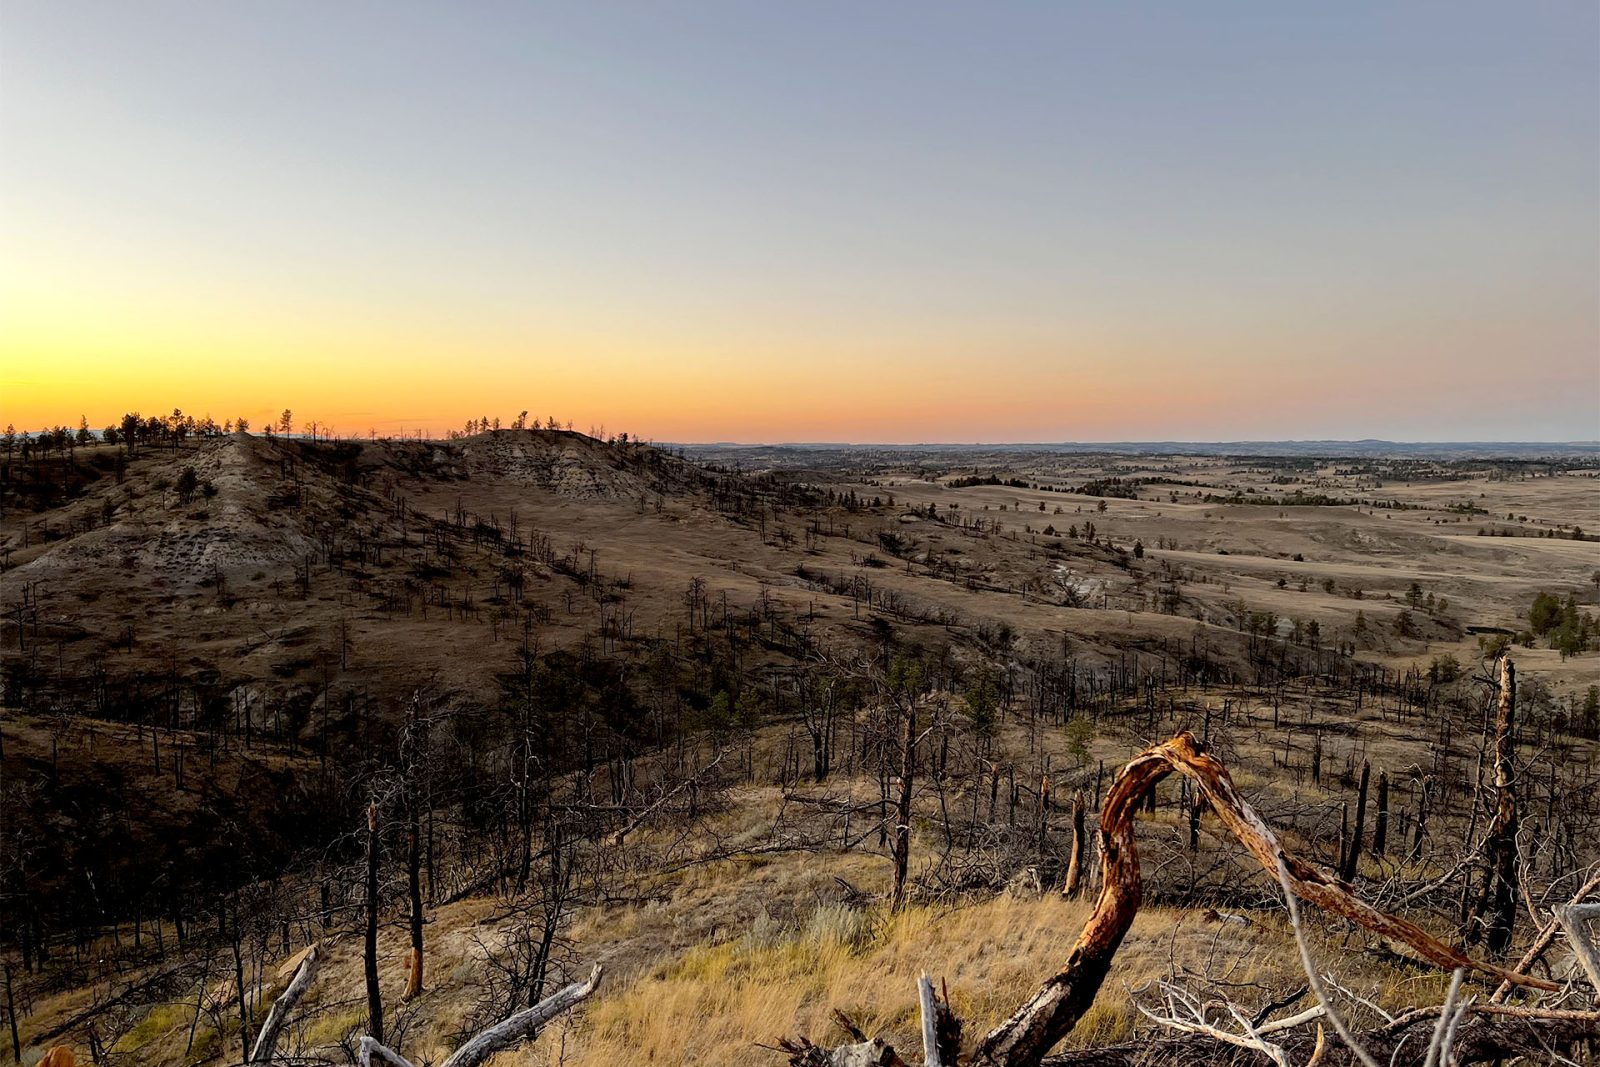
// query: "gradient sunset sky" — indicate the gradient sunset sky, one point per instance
point(808, 221)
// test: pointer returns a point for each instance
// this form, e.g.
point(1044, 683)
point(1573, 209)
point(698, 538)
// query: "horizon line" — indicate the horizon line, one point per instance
point(1571, 443)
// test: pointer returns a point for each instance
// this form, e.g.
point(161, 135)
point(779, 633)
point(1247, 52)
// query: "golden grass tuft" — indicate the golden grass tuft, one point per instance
point(716, 1002)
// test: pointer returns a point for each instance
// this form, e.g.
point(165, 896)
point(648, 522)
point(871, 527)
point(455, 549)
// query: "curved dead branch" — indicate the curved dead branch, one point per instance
point(1052, 1012)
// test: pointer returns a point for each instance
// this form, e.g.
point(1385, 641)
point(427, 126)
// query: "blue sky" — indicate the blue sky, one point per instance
point(809, 221)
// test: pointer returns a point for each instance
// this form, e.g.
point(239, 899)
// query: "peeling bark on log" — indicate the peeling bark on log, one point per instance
point(267, 1039)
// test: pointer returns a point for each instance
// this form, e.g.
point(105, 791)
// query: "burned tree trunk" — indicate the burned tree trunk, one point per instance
point(901, 848)
point(1420, 831)
point(237, 943)
point(1080, 845)
point(416, 745)
point(414, 885)
point(1380, 833)
point(1352, 855)
point(370, 952)
point(11, 1017)
point(1494, 912)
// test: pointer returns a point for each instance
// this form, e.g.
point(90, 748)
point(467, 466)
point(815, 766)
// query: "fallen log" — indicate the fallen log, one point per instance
point(524, 1024)
point(372, 1052)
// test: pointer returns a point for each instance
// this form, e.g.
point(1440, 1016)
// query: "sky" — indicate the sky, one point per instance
point(840, 221)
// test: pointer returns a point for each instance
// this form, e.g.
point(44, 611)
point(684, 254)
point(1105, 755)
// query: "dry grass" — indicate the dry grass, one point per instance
point(718, 1001)
point(738, 952)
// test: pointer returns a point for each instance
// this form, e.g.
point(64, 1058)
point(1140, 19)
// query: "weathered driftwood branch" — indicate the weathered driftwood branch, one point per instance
point(267, 1039)
point(1023, 1039)
point(1445, 1030)
point(522, 1026)
point(941, 1029)
point(372, 1051)
point(871, 1053)
point(1190, 1015)
point(930, 1025)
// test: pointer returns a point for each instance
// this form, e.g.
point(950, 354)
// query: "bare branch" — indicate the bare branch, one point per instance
point(1312, 976)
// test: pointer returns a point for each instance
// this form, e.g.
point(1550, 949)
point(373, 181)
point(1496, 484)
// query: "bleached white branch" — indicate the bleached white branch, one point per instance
point(1310, 967)
point(371, 1050)
point(523, 1025)
point(267, 1039)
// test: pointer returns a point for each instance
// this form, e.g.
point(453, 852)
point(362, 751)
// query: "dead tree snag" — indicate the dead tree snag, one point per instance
point(1494, 912)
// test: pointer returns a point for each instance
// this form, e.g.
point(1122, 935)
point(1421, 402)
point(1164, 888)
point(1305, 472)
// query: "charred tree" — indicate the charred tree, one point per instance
point(901, 847)
point(370, 951)
point(1494, 912)
point(1380, 833)
point(1352, 854)
point(1080, 844)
